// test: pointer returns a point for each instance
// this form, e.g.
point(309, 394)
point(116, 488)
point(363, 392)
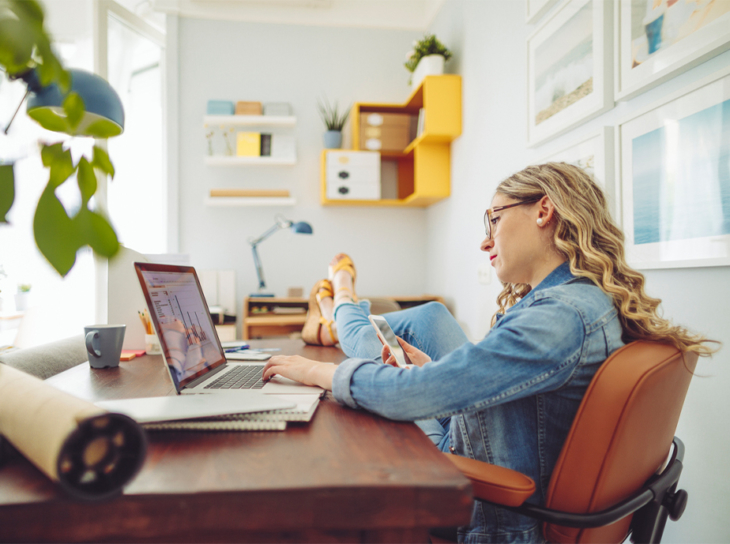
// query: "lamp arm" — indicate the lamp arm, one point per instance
point(278, 226)
point(259, 268)
point(7, 128)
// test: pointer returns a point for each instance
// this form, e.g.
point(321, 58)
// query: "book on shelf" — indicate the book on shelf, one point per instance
point(265, 145)
point(248, 144)
point(421, 122)
point(283, 145)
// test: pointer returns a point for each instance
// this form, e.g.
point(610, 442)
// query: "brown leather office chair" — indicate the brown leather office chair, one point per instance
point(615, 474)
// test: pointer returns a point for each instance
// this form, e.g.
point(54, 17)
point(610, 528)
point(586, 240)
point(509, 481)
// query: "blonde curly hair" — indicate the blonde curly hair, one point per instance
point(587, 237)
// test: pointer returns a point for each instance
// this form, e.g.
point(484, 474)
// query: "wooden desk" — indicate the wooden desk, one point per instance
point(347, 475)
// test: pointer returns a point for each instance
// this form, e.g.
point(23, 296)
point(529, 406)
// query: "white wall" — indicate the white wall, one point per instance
point(295, 64)
point(403, 251)
point(489, 41)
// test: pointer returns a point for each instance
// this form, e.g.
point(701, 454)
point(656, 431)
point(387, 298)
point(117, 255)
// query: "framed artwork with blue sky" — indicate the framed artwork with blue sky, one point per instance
point(675, 176)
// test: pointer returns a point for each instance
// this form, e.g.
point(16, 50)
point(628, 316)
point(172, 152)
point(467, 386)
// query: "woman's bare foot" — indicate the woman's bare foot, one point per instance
point(342, 276)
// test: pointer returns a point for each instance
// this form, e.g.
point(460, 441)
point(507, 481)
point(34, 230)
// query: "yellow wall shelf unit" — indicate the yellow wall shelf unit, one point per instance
point(424, 166)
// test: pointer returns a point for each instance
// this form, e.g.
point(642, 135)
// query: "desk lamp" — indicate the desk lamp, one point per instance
point(103, 116)
point(300, 227)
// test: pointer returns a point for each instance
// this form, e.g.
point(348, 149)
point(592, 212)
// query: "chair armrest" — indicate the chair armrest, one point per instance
point(495, 484)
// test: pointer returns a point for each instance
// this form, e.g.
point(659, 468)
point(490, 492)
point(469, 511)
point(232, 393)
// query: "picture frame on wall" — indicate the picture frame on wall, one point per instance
point(594, 154)
point(534, 9)
point(569, 68)
point(675, 178)
point(658, 40)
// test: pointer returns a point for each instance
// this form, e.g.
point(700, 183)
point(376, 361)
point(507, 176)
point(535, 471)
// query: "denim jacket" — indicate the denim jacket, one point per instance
point(512, 396)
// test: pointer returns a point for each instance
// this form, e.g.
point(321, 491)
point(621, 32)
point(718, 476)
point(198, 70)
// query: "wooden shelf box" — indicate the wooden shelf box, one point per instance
point(424, 165)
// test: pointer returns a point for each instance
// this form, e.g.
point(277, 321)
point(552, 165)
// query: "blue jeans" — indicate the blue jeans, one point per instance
point(430, 327)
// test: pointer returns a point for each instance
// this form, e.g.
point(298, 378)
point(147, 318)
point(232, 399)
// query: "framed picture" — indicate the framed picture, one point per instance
point(569, 68)
point(659, 39)
point(593, 153)
point(537, 8)
point(675, 176)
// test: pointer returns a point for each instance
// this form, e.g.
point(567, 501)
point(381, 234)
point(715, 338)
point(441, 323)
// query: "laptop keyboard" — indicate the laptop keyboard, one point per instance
point(241, 377)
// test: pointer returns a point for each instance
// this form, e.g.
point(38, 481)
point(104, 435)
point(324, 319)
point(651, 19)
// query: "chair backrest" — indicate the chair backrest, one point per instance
point(620, 436)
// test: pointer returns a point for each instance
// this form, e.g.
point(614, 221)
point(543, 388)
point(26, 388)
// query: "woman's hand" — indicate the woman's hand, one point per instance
point(299, 369)
point(413, 354)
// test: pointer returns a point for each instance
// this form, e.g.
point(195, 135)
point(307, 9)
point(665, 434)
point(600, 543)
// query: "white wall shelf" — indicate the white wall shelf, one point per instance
point(238, 201)
point(250, 120)
point(225, 160)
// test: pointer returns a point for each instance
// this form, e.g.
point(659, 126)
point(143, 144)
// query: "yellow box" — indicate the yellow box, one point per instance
point(248, 144)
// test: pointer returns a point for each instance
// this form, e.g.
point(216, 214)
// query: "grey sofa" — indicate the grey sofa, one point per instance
point(49, 359)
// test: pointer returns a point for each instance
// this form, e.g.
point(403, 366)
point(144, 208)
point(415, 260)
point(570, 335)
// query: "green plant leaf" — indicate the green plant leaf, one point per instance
point(102, 161)
point(50, 120)
point(59, 162)
point(102, 128)
point(7, 190)
point(86, 179)
point(29, 11)
point(16, 46)
point(50, 70)
point(55, 234)
point(96, 231)
point(73, 105)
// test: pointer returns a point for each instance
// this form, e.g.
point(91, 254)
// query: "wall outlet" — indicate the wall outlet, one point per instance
point(484, 273)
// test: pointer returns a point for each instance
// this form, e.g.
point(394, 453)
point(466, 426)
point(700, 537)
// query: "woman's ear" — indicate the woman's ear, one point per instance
point(545, 211)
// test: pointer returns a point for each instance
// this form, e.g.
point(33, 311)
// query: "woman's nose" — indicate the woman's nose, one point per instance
point(486, 244)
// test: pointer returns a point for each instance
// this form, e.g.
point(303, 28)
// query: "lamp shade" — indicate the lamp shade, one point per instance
point(302, 227)
point(103, 116)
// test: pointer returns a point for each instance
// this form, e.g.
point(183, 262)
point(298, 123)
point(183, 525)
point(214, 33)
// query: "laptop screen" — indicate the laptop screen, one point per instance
point(182, 320)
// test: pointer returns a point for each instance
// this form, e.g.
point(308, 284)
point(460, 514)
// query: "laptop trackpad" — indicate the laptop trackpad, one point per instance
point(278, 385)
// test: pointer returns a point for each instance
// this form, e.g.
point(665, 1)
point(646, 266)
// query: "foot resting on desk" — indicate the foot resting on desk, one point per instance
point(319, 327)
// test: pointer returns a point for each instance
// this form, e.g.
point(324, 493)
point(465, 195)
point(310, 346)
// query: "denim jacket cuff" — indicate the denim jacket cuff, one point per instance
point(343, 378)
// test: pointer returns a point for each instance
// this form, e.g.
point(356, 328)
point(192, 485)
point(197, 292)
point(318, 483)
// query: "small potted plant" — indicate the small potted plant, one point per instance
point(334, 121)
point(21, 297)
point(426, 59)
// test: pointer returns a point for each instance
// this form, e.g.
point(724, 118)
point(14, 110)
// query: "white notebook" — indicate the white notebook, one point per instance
point(272, 420)
point(305, 407)
point(217, 425)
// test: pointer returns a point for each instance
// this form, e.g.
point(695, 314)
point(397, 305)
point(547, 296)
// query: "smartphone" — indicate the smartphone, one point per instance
point(388, 338)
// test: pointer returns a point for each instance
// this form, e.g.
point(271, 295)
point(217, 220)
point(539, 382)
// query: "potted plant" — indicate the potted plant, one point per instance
point(334, 121)
point(26, 53)
point(21, 297)
point(427, 58)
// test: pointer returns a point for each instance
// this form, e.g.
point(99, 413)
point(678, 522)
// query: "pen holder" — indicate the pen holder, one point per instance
point(152, 344)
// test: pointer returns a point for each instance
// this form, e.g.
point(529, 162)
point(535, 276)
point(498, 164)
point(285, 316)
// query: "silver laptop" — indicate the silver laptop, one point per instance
point(193, 353)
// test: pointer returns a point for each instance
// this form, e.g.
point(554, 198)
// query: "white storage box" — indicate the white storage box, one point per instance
point(353, 175)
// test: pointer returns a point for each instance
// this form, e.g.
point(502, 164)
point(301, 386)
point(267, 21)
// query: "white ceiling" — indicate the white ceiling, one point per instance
point(394, 14)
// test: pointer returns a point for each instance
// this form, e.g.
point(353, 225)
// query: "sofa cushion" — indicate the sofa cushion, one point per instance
point(49, 359)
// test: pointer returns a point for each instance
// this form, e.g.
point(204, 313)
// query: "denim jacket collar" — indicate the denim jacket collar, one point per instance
point(558, 276)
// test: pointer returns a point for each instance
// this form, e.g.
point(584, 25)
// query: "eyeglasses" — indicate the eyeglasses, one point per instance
point(490, 222)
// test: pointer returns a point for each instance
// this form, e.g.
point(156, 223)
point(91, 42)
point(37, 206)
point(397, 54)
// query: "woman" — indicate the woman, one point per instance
point(569, 301)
